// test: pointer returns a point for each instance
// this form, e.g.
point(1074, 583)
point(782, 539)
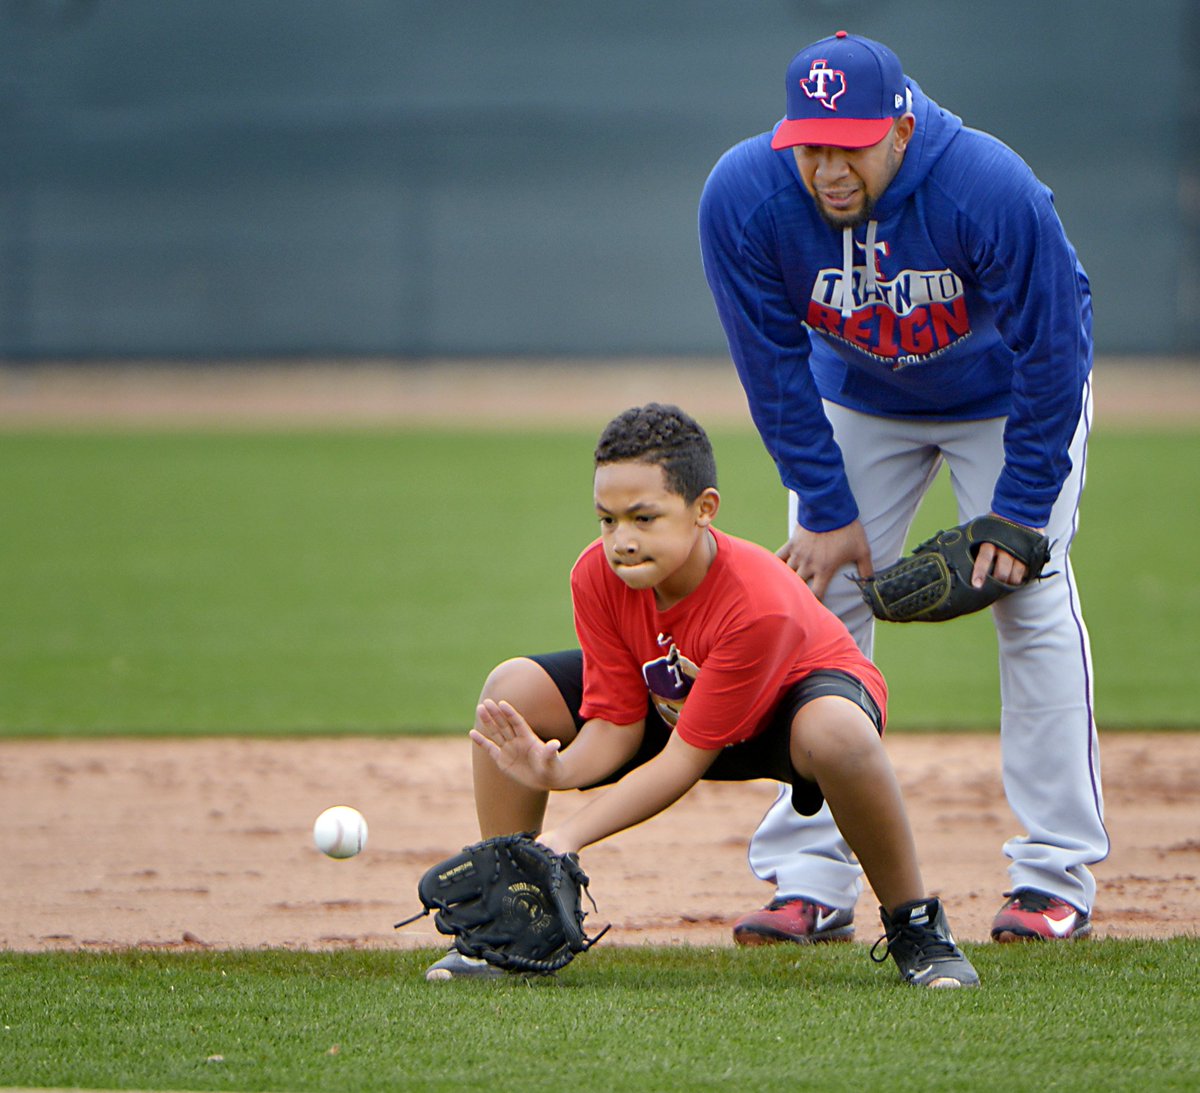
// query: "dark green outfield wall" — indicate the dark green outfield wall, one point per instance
point(278, 177)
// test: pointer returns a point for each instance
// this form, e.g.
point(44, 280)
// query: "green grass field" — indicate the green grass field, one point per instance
point(201, 582)
point(1093, 1016)
point(366, 581)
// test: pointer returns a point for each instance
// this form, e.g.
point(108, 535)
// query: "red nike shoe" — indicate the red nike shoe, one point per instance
point(794, 919)
point(1030, 915)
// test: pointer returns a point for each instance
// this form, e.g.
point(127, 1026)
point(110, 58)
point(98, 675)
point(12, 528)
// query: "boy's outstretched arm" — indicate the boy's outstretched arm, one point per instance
point(642, 793)
point(599, 748)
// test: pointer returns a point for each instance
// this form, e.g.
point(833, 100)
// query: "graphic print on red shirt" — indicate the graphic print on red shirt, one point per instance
point(669, 680)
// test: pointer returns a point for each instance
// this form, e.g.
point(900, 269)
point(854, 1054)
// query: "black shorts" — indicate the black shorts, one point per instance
point(767, 755)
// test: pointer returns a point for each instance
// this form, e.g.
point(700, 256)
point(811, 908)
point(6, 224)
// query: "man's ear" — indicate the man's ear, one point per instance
point(707, 505)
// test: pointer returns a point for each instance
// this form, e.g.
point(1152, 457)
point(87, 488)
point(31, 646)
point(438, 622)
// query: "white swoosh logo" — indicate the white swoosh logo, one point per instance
point(916, 973)
point(824, 919)
point(1063, 926)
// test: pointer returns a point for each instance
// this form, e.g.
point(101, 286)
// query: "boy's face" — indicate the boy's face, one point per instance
point(652, 537)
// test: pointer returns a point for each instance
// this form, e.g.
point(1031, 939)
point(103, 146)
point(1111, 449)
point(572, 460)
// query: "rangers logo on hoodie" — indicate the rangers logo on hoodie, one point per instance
point(911, 317)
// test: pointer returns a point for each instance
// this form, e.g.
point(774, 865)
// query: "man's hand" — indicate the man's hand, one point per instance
point(999, 564)
point(817, 555)
point(514, 747)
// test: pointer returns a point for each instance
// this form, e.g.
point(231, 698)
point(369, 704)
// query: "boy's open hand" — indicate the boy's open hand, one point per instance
point(514, 747)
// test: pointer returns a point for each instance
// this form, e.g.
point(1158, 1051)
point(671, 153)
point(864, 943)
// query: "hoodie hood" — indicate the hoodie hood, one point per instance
point(935, 128)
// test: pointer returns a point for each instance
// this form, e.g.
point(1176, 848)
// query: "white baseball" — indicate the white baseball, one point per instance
point(340, 831)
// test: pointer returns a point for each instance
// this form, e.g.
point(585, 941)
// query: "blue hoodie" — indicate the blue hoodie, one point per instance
point(975, 306)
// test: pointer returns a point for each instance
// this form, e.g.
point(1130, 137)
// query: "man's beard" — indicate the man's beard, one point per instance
point(838, 221)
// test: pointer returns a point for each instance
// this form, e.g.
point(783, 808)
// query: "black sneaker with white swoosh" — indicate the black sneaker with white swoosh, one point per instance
point(918, 938)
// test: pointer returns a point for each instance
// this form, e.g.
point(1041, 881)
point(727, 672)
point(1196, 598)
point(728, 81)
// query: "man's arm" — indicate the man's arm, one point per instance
point(1027, 269)
point(642, 793)
point(770, 347)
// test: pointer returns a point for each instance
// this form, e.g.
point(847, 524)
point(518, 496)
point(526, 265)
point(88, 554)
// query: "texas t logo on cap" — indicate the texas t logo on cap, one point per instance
point(843, 91)
point(824, 83)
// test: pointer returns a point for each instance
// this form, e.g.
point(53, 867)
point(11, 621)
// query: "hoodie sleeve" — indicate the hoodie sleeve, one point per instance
point(1029, 273)
point(769, 345)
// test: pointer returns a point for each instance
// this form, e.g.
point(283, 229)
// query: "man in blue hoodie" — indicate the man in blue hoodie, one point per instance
point(897, 292)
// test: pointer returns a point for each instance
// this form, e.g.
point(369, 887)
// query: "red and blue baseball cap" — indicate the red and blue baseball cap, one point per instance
point(844, 91)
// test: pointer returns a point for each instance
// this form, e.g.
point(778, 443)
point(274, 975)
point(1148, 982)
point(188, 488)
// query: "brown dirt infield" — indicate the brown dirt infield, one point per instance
point(501, 393)
point(207, 843)
point(176, 844)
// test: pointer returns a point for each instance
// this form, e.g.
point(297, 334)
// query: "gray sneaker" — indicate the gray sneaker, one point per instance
point(918, 938)
point(456, 966)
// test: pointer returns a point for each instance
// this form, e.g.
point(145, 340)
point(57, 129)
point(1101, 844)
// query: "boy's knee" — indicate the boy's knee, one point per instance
point(510, 679)
point(527, 686)
point(833, 732)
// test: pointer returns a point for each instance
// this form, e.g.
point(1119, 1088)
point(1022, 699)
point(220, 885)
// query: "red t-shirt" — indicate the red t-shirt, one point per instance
point(730, 648)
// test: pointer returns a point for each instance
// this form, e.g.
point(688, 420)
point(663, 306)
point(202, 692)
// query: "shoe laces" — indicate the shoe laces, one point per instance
point(1031, 900)
point(780, 902)
point(929, 945)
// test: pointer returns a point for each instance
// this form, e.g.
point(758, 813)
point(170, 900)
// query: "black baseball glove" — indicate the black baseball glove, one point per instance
point(511, 901)
point(934, 582)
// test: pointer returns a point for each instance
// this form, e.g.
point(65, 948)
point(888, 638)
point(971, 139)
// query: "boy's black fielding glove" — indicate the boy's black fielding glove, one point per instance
point(934, 582)
point(511, 901)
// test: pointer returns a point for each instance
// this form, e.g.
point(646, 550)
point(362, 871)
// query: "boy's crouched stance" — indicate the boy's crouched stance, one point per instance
point(701, 656)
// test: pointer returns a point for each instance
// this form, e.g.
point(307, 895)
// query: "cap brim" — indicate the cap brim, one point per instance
point(836, 132)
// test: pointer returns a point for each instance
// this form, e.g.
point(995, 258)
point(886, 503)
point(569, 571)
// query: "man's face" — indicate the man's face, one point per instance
point(847, 182)
point(652, 537)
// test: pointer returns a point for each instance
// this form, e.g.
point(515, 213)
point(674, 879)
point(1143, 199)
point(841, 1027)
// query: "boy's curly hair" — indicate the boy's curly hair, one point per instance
point(661, 434)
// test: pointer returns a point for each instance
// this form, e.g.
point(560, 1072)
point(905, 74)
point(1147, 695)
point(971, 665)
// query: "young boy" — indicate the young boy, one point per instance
point(702, 656)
